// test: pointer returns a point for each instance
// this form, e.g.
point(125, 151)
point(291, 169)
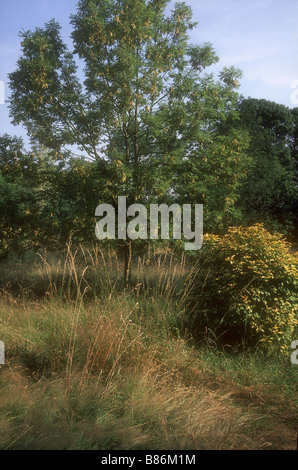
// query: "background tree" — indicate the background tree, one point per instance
point(28, 197)
point(13, 195)
point(294, 151)
point(216, 160)
point(269, 192)
point(43, 201)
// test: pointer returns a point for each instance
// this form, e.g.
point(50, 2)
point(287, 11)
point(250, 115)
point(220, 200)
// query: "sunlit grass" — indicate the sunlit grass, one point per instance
point(91, 365)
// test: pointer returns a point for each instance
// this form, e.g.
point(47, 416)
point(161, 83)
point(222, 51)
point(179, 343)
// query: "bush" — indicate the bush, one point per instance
point(245, 283)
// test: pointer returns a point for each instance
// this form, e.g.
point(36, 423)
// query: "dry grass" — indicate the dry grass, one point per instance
point(92, 366)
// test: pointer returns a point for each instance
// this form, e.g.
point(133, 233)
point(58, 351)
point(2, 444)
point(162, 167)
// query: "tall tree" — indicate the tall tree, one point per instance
point(144, 101)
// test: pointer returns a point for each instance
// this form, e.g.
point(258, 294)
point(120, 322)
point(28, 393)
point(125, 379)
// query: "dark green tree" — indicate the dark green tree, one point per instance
point(15, 195)
point(294, 151)
point(43, 201)
point(269, 192)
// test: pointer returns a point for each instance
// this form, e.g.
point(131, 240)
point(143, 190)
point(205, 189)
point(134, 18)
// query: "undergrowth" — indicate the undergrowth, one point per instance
point(91, 365)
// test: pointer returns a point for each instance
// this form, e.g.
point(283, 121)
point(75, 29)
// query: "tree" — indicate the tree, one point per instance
point(15, 195)
point(44, 202)
point(294, 152)
point(269, 191)
point(143, 103)
point(216, 159)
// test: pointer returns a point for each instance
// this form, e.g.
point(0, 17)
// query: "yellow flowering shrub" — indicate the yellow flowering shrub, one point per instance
point(246, 283)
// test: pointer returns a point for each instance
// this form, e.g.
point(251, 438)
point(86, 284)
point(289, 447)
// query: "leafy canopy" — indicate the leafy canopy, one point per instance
point(144, 105)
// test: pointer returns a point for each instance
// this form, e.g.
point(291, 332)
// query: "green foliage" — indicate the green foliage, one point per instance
point(145, 112)
point(10, 198)
point(246, 282)
point(15, 195)
point(213, 175)
point(145, 107)
point(44, 201)
point(268, 193)
point(46, 93)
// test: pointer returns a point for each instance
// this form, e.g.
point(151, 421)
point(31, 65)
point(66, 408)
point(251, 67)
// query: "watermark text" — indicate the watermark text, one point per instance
point(159, 219)
point(294, 355)
point(2, 353)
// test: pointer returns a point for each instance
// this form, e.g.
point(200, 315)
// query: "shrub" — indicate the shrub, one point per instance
point(245, 282)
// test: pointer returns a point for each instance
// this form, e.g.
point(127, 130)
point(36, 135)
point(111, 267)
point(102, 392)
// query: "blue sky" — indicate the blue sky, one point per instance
point(258, 36)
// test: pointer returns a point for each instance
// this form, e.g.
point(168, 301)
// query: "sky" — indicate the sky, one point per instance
point(260, 37)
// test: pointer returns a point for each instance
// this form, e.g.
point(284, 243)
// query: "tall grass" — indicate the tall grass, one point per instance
point(91, 365)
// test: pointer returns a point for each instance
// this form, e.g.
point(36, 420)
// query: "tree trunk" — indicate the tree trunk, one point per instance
point(127, 263)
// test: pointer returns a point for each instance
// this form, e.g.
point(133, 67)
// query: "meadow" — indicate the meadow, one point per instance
point(91, 364)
